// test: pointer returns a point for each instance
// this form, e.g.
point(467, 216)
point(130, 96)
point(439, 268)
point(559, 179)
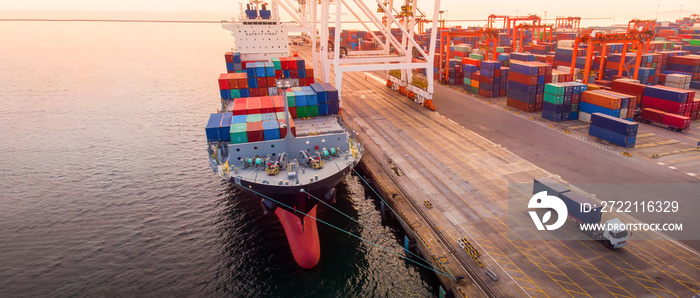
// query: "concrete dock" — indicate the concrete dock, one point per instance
point(462, 159)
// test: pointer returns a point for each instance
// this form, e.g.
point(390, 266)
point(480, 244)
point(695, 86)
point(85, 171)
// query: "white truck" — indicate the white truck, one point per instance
point(587, 214)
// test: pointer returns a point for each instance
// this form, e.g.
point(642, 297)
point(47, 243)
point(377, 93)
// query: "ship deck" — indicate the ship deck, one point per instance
point(462, 159)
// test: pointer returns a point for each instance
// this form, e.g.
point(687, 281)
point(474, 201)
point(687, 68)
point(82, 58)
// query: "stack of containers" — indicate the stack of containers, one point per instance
point(677, 81)
point(504, 58)
point(687, 65)
point(455, 74)
point(327, 97)
point(489, 76)
point(257, 119)
point(233, 62)
point(526, 81)
point(612, 129)
point(630, 87)
point(671, 100)
point(605, 102)
point(561, 101)
point(218, 127)
point(521, 56)
point(468, 70)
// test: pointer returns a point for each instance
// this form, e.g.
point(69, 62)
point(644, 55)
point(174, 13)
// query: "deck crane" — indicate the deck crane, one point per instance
point(635, 37)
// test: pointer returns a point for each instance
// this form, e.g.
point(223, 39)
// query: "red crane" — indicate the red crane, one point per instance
point(634, 36)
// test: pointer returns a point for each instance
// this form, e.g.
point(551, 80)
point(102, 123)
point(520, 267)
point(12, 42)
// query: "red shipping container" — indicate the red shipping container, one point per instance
point(278, 73)
point(229, 57)
point(293, 112)
point(511, 102)
point(252, 106)
point(664, 105)
point(476, 76)
point(243, 82)
point(309, 72)
point(522, 78)
point(254, 130)
point(262, 92)
point(496, 72)
point(239, 106)
point(266, 105)
point(233, 82)
point(652, 115)
point(294, 74)
point(278, 103)
point(547, 79)
point(283, 128)
point(628, 87)
point(676, 121)
point(471, 61)
point(271, 82)
point(223, 81)
point(485, 80)
point(262, 83)
point(254, 92)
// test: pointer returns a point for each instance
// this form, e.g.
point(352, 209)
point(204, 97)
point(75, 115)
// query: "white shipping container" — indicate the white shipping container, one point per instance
point(567, 69)
point(584, 117)
point(567, 43)
point(677, 78)
point(623, 113)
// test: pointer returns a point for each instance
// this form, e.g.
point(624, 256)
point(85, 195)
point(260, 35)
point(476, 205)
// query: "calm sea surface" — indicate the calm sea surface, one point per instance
point(105, 188)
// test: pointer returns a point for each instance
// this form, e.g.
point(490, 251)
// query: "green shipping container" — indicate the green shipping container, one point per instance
point(291, 100)
point(238, 133)
point(474, 90)
point(476, 56)
point(555, 99)
point(695, 42)
point(276, 62)
point(254, 118)
point(554, 89)
point(467, 81)
point(311, 111)
point(301, 112)
point(235, 93)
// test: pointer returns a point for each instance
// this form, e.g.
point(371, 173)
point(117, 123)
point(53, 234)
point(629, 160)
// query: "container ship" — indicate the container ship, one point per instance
point(279, 134)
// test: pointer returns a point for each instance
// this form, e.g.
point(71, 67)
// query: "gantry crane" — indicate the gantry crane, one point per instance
point(486, 34)
point(394, 53)
point(647, 26)
point(524, 20)
point(596, 38)
point(568, 23)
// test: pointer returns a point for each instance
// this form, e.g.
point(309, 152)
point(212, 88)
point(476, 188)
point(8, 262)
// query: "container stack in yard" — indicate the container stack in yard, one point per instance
point(612, 129)
point(561, 101)
point(618, 105)
point(525, 90)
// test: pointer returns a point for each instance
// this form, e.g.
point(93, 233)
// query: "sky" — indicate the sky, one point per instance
point(621, 11)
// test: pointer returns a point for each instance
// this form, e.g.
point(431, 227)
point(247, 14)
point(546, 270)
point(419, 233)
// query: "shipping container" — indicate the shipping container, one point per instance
point(614, 124)
point(612, 137)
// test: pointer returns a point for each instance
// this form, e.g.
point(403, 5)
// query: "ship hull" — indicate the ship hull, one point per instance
point(296, 210)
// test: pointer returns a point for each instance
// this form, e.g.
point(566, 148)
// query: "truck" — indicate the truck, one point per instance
point(586, 213)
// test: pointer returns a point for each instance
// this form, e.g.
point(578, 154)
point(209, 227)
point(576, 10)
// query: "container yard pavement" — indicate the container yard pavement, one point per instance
point(674, 150)
point(466, 176)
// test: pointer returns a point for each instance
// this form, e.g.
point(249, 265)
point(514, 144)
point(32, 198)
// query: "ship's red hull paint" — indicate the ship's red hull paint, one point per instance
point(303, 239)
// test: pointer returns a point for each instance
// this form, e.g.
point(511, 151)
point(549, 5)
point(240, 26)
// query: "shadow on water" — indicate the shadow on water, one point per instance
point(255, 258)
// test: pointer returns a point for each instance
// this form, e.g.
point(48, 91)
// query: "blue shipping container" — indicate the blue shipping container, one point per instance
point(212, 128)
point(614, 124)
point(591, 108)
point(612, 137)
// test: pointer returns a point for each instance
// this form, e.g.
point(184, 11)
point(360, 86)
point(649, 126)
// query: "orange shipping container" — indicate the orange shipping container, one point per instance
point(600, 99)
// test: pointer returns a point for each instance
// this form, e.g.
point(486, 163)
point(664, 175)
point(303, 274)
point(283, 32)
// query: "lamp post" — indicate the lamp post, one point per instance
point(284, 84)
